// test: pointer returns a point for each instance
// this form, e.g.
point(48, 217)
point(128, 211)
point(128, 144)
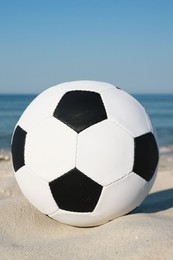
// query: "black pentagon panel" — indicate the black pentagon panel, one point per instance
point(17, 148)
point(80, 109)
point(75, 192)
point(146, 156)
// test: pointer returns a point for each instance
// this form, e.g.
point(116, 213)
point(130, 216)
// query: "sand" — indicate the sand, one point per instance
point(146, 233)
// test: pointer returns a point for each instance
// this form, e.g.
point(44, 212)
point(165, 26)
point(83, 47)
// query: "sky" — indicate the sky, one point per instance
point(128, 43)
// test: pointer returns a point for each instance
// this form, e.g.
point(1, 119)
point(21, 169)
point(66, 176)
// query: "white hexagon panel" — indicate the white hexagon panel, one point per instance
point(126, 194)
point(40, 108)
point(105, 152)
point(126, 111)
point(50, 149)
point(36, 190)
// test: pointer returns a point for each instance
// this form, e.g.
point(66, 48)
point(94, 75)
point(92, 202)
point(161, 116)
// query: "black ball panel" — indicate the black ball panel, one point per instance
point(80, 109)
point(146, 156)
point(75, 192)
point(17, 148)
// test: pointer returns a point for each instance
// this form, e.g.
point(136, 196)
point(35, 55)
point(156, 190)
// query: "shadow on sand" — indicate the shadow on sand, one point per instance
point(155, 202)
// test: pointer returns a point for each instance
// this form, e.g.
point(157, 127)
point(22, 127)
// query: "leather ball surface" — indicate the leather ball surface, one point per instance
point(84, 153)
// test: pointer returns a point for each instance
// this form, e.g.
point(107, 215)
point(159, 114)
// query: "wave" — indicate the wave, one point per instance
point(166, 149)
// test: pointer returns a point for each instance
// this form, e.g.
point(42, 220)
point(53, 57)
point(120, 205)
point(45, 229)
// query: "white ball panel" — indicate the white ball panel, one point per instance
point(50, 149)
point(76, 219)
point(105, 152)
point(127, 111)
point(122, 197)
point(36, 190)
point(87, 85)
point(40, 108)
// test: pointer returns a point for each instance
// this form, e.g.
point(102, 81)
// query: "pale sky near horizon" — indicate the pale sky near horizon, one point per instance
point(46, 42)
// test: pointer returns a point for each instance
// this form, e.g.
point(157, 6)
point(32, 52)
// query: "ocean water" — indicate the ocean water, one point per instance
point(159, 107)
point(11, 108)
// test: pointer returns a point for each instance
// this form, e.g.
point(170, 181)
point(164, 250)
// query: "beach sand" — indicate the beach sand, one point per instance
point(146, 233)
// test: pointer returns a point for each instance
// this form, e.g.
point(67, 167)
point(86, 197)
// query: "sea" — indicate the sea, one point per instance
point(158, 106)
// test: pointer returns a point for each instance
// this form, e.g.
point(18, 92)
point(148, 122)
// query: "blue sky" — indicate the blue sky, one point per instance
point(127, 43)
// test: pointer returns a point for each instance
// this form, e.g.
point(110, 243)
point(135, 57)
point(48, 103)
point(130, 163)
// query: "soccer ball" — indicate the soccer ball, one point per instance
point(84, 153)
